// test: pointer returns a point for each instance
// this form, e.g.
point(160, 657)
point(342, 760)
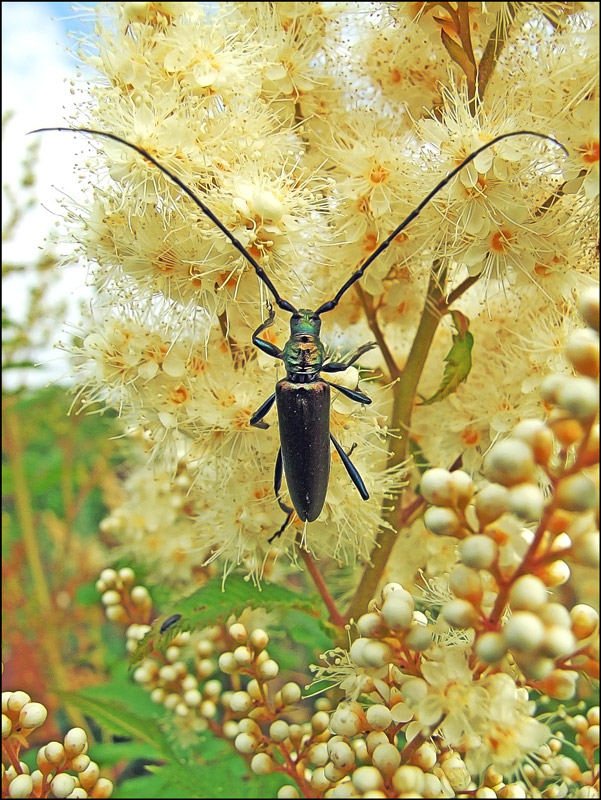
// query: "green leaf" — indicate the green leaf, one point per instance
point(459, 359)
point(214, 603)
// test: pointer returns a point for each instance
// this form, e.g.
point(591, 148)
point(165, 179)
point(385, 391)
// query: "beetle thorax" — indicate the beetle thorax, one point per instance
point(304, 352)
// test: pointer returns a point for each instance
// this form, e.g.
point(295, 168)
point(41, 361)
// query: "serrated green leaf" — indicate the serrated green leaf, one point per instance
point(214, 603)
point(458, 359)
point(118, 719)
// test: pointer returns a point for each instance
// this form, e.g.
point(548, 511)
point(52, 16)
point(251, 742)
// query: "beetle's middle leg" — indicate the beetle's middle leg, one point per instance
point(277, 485)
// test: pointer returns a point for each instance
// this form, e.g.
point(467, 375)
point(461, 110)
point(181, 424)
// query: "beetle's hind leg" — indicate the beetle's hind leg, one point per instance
point(277, 485)
point(351, 469)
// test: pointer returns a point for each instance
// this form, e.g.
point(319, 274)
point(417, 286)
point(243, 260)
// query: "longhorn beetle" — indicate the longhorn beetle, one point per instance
point(303, 396)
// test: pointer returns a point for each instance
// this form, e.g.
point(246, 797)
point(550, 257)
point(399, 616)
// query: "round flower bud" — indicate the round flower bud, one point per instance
point(464, 487)
point(55, 753)
point(397, 611)
point(538, 436)
point(245, 743)
point(466, 584)
point(437, 487)
point(558, 642)
point(80, 763)
point(319, 782)
point(279, 730)
point(62, 784)
point(441, 521)
point(259, 639)
point(479, 551)
point(240, 702)
point(418, 638)
point(238, 632)
point(509, 462)
point(90, 775)
point(346, 721)
point(579, 397)
point(491, 647)
point(261, 764)
point(369, 624)
point(526, 501)
point(109, 578)
point(367, 779)
point(528, 593)
point(524, 631)
point(75, 742)
point(110, 598)
point(586, 549)
point(414, 690)
point(318, 754)
point(291, 693)
point(376, 654)
point(555, 574)
point(560, 684)
point(15, 701)
point(243, 656)
point(585, 621)
point(378, 717)
point(582, 350)
point(395, 588)
point(341, 754)
point(490, 503)
point(102, 788)
point(227, 663)
point(288, 792)
point(577, 493)
point(588, 305)
point(32, 715)
point(127, 577)
point(425, 756)
point(408, 781)
point(550, 387)
point(7, 726)
point(460, 614)
point(140, 597)
point(268, 670)
point(20, 786)
point(386, 758)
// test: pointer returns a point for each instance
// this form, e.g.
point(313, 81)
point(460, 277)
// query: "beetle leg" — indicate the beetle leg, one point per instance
point(340, 366)
point(262, 411)
point(266, 347)
point(352, 394)
point(352, 470)
point(277, 485)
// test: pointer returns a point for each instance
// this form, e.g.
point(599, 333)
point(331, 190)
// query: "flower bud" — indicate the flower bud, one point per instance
point(509, 462)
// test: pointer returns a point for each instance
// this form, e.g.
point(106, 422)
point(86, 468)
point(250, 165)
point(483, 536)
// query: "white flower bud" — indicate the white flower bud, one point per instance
point(243, 656)
point(102, 788)
point(291, 693)
point(397, 611)
point(32, 715)
point(279, 730)
point(20, 786)
point(346, 721)
point(140, 597)
point(491, 502)
point(227, 663)
point(80, 763)
point(341, 754)
point(62, 784)
point(240, 702)
point(369, 624)
point(528, 593)
point(245, 743)
point(526, 501)
point(524, 631)
point(261, 764)
point(509, 462)
point(367, 779)
point(460, 614)
point(110, 598)
point(15, 701)
point(408, 781)
point(386, 758)
point(558, 642)
point(259, 639)
point(466, 584)
point(438, 488)
point(577, 493)
point(238, 632)
point(586, 549)
point(75, 742)
point(319, 782)
point(491, 647)
point(268, 670)
point(7, 726)
point(418, 638)
point(579, 397)
point(582, 350)
point(585, 620)
point(441, 521)
point(479, 551)
point(378, 717)
point(55, 753)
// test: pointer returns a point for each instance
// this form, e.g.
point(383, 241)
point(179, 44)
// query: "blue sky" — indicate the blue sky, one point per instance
point(36, 69)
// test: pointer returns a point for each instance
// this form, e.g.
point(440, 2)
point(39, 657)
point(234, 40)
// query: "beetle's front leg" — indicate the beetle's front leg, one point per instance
point(340, 366)
point(267, 347)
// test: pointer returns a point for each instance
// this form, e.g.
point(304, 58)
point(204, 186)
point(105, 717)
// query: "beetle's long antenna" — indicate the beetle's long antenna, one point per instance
point(283, 304)
point(418, 209)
